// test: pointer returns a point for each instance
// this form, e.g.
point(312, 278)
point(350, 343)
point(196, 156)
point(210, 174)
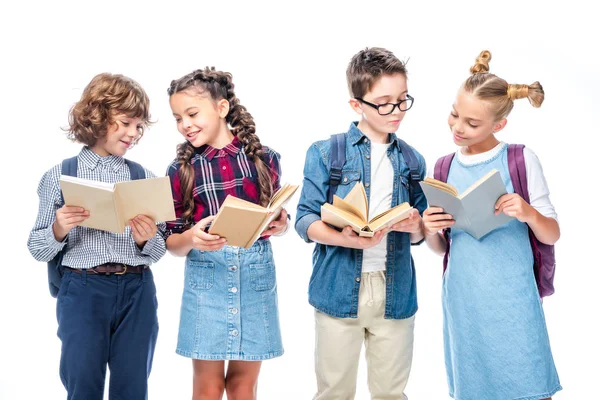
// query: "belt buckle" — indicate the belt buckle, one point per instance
point(124, 270)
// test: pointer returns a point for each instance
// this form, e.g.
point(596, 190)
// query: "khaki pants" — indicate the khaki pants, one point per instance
point(388, 347)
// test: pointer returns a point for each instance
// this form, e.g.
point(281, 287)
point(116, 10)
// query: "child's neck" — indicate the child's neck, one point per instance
point(100, 151)
point(222, 139)
point(373, 135)
point(482, 147)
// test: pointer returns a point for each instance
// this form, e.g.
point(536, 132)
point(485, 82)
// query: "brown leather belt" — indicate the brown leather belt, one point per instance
point(112, 269)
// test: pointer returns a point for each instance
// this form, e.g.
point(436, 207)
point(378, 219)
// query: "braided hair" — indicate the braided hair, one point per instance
point(220, 86)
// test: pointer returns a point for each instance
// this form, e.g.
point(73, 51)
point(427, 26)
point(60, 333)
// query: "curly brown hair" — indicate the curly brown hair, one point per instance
point(501, 94)
point(367, 66)
point(104, 97)
point(220, 86)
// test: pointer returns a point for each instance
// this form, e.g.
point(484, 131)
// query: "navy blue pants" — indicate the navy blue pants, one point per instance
point(107, 320)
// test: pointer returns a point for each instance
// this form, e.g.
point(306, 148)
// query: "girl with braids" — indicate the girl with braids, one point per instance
point(496, 341)
point(229, 305)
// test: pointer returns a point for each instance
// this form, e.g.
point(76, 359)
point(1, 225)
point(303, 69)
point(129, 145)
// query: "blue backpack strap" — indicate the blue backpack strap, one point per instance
point(55, 269)
point(135, 170)
point(69, 168)
point(413, 166)
point(337, 161)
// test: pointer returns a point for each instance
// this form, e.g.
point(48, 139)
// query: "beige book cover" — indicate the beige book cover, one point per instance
point(112, 205)
point(241, 222)
point(353, 210)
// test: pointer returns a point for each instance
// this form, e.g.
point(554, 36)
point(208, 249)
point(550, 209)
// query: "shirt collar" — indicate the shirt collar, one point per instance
point(355, 135)
point(233, 149)
point(92, 159)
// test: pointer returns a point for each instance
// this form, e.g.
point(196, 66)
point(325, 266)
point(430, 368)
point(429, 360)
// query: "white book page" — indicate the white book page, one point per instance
point(88, 182)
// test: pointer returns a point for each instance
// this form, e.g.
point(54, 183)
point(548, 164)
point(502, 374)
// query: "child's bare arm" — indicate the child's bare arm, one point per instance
point(546, 229)
point(433, 222)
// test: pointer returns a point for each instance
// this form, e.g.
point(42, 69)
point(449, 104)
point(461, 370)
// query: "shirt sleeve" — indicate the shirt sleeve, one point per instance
point(275, 169)
point(177, 225)
point(314, 192)
point(539, 194)
point(42, 244)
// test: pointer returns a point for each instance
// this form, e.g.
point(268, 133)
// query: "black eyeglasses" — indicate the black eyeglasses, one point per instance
point(388, 108)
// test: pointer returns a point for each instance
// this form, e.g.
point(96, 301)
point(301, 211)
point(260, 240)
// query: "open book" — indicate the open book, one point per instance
point(112, 205)
point(473, 210)
point(241, 222)
point(353, 210)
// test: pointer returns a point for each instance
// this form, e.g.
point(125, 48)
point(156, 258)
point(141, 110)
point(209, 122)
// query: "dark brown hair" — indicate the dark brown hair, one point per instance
point(220, 86)
point(107, 95)
point(499, 93)
point(367, 66)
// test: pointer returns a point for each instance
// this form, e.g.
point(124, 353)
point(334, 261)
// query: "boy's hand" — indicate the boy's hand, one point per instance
point(513, 205)
point(205, 241)
point(412, 224)
point(435, 220)
point(277, 226)
point(352, 240)
point(67, 218)
point(143, 229)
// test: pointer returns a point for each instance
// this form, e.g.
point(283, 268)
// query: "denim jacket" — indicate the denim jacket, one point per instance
point(335, 280)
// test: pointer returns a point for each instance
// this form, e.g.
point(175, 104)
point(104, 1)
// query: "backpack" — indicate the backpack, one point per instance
point(55, 268)
point(544, 263)
point(338, 159)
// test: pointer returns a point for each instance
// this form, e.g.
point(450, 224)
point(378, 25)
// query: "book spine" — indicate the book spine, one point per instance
point(118, 211)
point(261, 228)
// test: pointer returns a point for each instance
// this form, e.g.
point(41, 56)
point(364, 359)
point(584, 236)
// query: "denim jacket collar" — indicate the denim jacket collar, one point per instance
point(356, 136)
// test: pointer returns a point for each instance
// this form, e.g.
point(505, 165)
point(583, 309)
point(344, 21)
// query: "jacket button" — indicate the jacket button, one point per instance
point(367, 184)
point(357, 279)
point(346, 179)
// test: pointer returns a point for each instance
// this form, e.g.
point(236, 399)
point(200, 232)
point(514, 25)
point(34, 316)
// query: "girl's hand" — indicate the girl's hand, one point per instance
point(352, 240)
point(67, 218)
point(435, 220)
point(205, 241)
point(143, 229)
point(278, 226)
point(412, 224)
point(513, 205)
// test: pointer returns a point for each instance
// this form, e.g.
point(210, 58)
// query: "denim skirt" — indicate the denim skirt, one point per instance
point(229, 306)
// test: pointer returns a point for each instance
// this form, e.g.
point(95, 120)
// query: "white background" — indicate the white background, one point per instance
point(288, 61)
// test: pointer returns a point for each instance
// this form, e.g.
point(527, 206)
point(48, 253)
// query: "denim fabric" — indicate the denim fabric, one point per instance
point(495, 337)
point(229, 307)
point(106, 320)
point(336, 276)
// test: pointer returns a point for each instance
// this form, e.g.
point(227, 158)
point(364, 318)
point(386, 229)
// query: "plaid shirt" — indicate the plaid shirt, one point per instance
point(218, 173)
point(86, 247)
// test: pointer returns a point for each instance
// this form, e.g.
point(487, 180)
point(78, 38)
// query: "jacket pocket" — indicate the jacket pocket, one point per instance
point(349, 179)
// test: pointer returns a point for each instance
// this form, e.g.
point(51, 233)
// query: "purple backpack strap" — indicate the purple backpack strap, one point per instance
point(442, 168)
point(544, 263)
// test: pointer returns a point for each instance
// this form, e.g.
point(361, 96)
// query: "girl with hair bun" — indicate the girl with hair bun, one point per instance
point(495, 337)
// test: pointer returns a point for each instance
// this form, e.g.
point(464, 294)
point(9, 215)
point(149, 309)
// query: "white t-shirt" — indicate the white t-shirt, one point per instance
point(380, 200)
point(539, 194)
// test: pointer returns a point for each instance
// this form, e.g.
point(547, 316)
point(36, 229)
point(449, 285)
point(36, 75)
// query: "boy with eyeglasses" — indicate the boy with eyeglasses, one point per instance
point(364, 289)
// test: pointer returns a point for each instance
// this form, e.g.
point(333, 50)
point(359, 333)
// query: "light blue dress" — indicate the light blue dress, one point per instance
point(495, 338)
